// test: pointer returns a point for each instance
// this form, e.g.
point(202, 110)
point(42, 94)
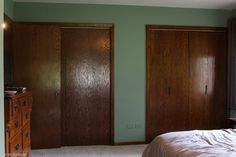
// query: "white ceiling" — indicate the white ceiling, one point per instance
point(205, 4)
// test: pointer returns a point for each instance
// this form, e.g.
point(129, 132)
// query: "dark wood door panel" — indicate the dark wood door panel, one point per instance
point(217, 81)
point(8, 34)
point(86, 85)
point(167, 82)
point(208, 71)
point(37, 66)
point(199, 109)
point(186, 79)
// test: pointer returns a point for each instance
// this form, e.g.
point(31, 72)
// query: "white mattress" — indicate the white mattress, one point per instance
point(196, 143)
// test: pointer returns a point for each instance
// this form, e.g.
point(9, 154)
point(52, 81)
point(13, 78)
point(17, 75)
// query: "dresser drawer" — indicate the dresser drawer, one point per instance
point(15, 125)
point(16, 145)
point(26, 137)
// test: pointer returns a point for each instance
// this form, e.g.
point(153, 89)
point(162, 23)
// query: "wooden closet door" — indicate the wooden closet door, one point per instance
point(36, 52)
point(87, 55)
point(217, 82)
point(167, 82)
point(199, 109)
point(208, 61)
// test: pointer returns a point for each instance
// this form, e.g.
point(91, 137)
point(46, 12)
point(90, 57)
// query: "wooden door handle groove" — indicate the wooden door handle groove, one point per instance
point(16, 124)
point(206, 89)
point(169, 91)
point(57, 94)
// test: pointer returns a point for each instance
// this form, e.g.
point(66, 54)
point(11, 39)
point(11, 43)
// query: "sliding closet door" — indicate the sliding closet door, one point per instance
point(167, 81)
point(37, 67)
point(207, 97)
point(199, 110)
point(186, 79)
point(86, 74)
point(218, 82)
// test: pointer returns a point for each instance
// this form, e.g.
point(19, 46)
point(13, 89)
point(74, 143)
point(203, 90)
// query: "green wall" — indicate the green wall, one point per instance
point(129, 47)
point(9, 8)
point(2, 149)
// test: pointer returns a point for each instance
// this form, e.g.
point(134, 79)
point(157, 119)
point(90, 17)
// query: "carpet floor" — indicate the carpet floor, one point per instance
point(92, 151)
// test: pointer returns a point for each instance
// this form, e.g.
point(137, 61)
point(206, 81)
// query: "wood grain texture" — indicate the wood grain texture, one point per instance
point(199, 109)
point(86, 108)
point(208, 71)
point(37, 66)
point(8, 34)
point(167, 82)
point(217, 69)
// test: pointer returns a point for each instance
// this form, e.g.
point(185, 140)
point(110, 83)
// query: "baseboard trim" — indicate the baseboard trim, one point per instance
point(129, 143)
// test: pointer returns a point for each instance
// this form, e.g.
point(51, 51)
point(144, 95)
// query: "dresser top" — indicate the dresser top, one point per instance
point(18, 95)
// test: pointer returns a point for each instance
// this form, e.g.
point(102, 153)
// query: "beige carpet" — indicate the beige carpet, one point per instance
point(92, 151)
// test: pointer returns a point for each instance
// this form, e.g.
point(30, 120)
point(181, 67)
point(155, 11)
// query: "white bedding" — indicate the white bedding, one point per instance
point(196, 143)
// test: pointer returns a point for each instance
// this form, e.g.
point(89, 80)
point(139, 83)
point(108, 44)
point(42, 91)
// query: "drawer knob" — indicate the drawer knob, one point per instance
point(17, 146)
point(16, 124)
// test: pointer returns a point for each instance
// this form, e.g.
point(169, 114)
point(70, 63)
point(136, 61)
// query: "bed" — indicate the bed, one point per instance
point(195, 143)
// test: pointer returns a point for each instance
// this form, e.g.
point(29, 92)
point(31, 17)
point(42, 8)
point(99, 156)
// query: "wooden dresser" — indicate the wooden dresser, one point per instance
point(17, 124)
